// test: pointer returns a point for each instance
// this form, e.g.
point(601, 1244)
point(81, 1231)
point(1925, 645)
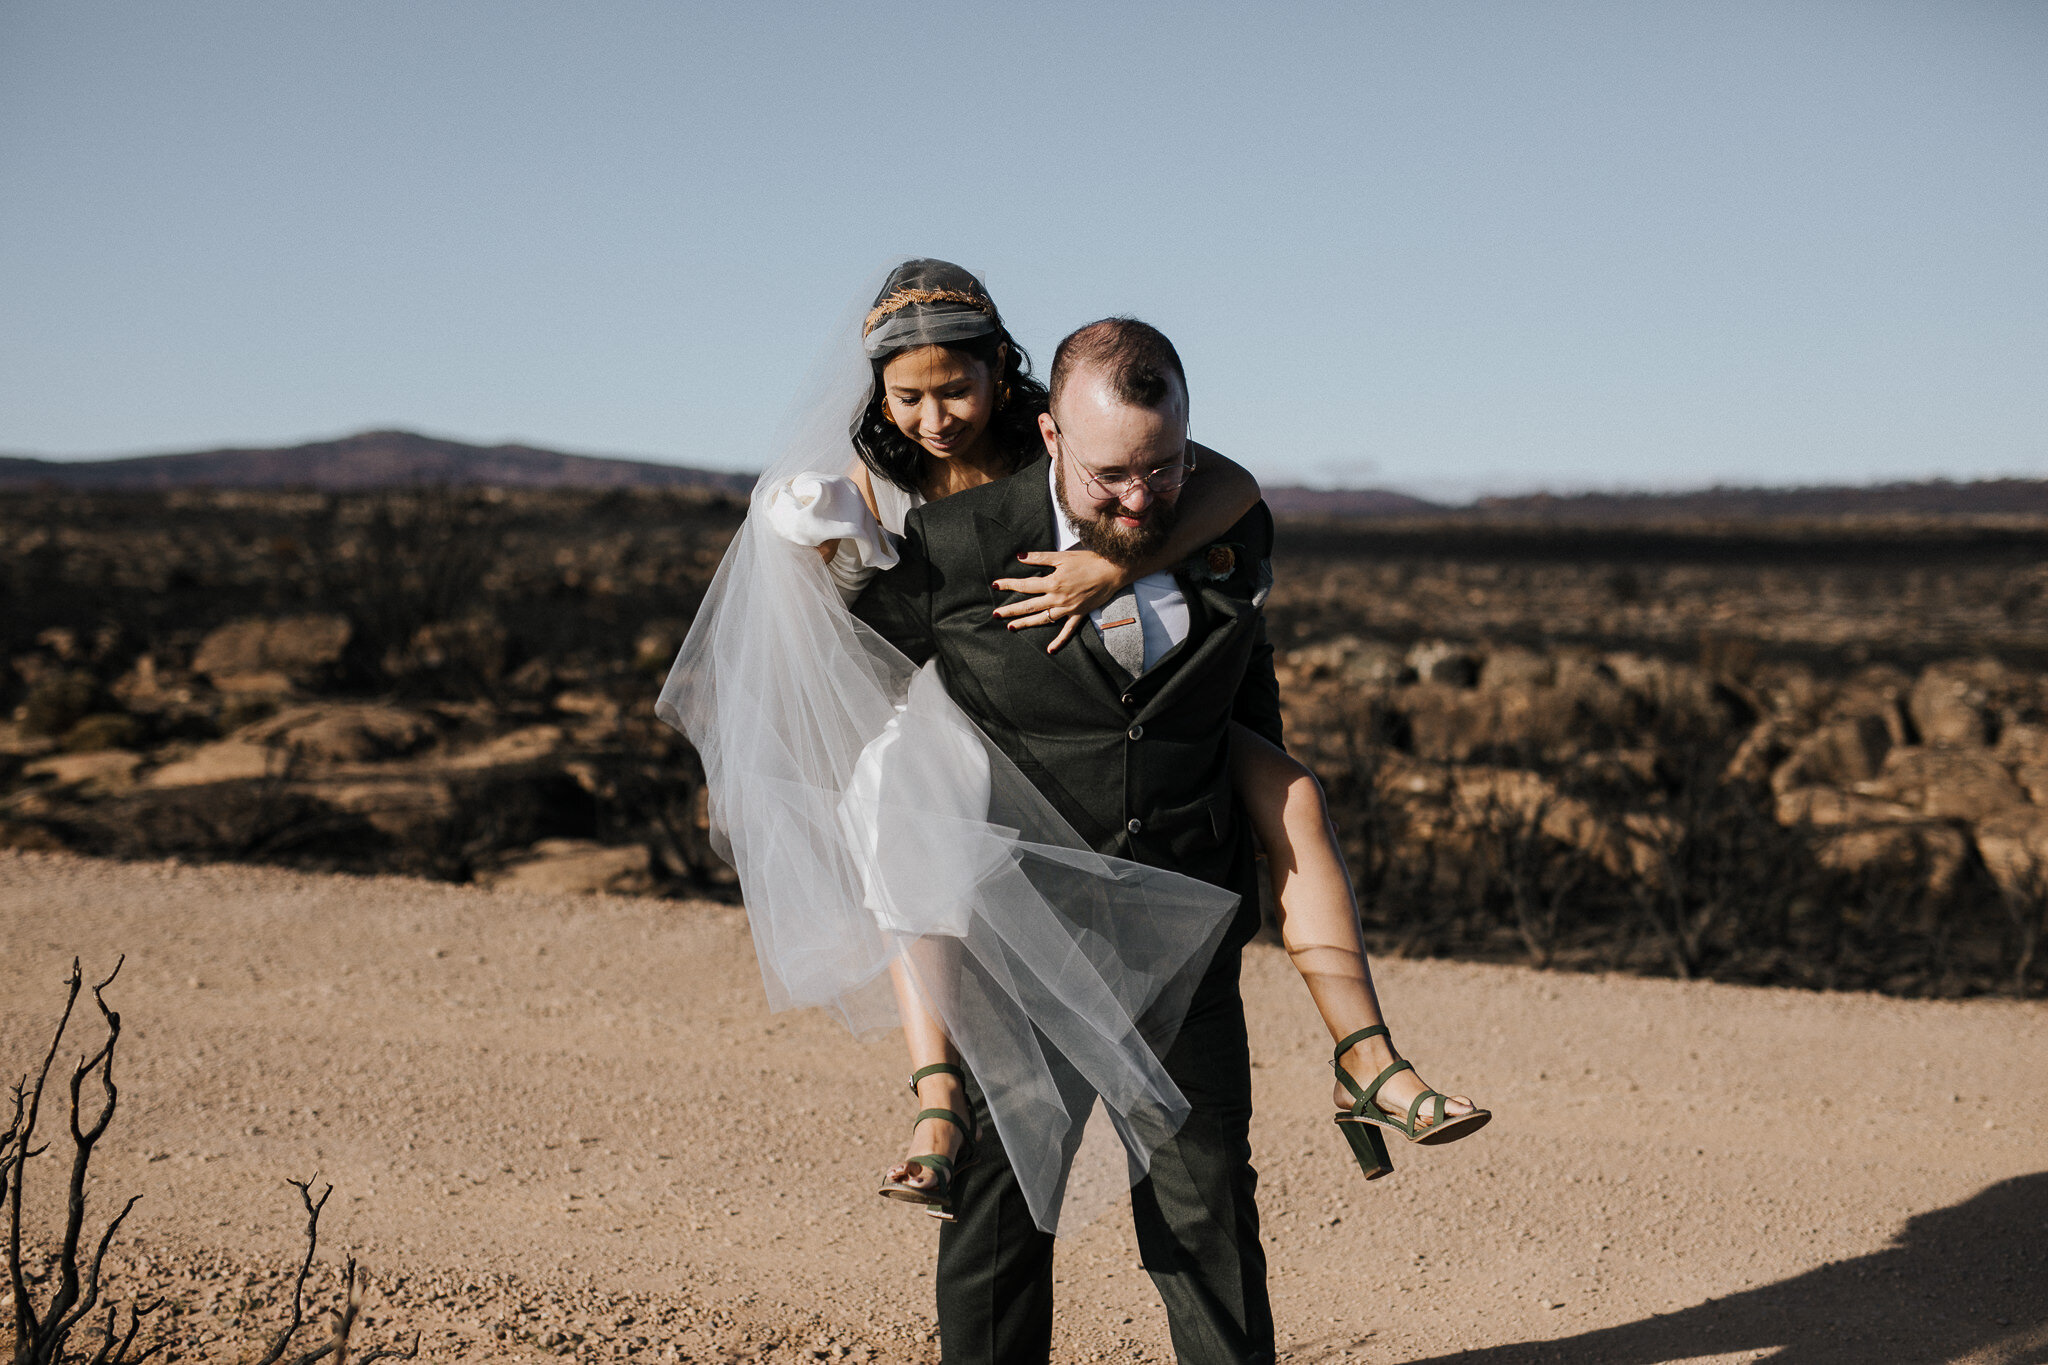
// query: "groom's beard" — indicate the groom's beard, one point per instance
point(1120, 545)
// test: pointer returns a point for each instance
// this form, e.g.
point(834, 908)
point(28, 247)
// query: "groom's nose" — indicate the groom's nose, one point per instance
point(1137, 497)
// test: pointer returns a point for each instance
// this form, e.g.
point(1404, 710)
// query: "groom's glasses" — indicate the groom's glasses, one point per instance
point(1114, 486)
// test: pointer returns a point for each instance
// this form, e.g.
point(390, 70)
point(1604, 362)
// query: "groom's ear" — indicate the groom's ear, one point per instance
point(1045, 431)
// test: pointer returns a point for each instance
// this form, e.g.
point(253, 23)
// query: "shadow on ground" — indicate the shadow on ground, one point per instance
point(1968, 1281)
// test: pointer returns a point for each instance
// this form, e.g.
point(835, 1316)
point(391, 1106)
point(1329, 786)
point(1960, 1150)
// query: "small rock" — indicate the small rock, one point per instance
point(575, 867)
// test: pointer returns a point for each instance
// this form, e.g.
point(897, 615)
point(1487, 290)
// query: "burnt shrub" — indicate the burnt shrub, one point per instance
point(58, 702)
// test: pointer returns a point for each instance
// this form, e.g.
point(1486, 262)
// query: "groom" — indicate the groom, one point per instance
point(1127, 732)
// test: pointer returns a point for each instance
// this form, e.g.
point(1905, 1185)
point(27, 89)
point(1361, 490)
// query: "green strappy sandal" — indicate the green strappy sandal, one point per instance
point(1361, 1123)
point(938, 1197)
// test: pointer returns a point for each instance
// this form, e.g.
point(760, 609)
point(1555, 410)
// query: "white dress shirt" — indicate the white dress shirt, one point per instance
point(1162, 610)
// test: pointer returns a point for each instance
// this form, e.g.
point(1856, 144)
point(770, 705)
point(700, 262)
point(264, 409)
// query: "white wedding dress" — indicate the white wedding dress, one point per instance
point(872, 822)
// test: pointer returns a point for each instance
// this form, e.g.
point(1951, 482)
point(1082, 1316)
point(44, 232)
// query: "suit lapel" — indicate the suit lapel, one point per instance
point(1214, 621)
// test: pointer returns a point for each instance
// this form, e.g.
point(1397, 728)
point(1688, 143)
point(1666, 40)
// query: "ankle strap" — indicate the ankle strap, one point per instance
point(1354, 1039)
point(935, 1069)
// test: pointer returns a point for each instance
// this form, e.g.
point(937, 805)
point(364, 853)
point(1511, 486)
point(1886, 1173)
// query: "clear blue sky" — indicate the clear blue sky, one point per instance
point(1449, 247)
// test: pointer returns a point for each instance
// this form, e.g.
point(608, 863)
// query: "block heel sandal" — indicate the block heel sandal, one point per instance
point(1361, 1123)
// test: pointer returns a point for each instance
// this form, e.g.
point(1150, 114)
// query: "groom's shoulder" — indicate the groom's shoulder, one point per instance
point(998, 499)
point(1254, 530)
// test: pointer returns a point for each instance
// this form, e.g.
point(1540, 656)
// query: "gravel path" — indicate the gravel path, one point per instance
point(568, 1126)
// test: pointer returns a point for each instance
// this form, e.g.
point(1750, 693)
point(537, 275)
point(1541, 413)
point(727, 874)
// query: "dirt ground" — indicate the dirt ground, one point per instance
point(569, 1127)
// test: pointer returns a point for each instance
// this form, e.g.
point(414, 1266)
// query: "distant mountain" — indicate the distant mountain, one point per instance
point(372, 459)
point(1294, 501)
point(1934, 498)
point(384, 459)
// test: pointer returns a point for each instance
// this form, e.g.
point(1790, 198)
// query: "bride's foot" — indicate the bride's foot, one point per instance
point(1367, 1058)
point(940, 1143)
point(932, 1137)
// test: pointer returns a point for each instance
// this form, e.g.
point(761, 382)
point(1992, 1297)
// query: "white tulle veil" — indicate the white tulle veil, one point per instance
point(872, 822)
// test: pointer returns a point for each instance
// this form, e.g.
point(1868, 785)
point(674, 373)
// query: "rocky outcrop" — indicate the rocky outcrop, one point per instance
point(337, 732)
point(257, 654)
point(1923, 781)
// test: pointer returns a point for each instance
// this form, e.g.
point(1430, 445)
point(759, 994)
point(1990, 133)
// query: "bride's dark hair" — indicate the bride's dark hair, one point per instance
point(936, 303)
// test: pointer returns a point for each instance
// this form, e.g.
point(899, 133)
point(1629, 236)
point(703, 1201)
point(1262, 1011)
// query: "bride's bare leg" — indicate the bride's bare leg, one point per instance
point(1318, 913)
point(926, 1038)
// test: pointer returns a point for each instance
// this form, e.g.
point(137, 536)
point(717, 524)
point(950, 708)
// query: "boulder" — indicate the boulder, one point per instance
point(1934, 851)
point(102, 772)
point(575, 867)
point(2014, 847)
point(1633, 767)
point(227, 760)
point(2034, 778)
point(343, 732)
point(255, 653)
point(1838, 754)
point(596, 705)
point(1511, 666)
point(399, 806)
point(1950, 706)
point(252, 686)
point(1666, 685)
point(1956, 784)
point(1827, 806)
point(29, 838)
point(18, 743)
point(528, 745)
point(1877, 692)
point(1503, 798)
point(104, 730)
point(1348, 657)
point(2023, 744)
point(1374, 663)
point(1452, 724)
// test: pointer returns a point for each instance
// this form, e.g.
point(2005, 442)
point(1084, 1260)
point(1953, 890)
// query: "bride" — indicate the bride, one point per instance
point(877, 833)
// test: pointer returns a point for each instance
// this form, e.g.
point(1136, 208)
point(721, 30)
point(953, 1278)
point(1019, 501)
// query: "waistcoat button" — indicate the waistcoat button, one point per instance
point(1135, 826)
point(1137, 732)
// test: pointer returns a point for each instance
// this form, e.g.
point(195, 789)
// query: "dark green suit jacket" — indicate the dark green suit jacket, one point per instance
point(1141, 768)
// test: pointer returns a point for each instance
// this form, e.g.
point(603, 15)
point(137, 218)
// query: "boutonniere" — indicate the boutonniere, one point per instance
point(1216, 563)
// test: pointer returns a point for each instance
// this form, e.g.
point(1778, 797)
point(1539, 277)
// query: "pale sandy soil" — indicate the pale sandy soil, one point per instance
point(575, 1116)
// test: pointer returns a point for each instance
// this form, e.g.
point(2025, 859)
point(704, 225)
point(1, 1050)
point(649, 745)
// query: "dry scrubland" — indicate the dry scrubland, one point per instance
point(1810, 753)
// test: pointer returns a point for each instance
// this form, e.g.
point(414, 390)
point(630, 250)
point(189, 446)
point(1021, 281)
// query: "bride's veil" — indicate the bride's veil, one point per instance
point(1061, 975)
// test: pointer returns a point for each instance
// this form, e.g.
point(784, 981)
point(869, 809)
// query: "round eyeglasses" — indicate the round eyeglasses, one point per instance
point(1114, 486)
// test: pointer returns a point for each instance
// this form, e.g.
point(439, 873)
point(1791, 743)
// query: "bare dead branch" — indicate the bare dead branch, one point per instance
point(283, 1339)
point(72, 1300)
point(92, 1279)
point(40, 1336)
point(27, 1324)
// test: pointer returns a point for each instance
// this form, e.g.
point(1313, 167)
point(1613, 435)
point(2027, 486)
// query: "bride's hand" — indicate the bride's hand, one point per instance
point(1080, 581)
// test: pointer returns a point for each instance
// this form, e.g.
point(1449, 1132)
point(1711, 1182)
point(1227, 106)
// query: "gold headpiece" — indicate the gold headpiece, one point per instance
point(904, 298)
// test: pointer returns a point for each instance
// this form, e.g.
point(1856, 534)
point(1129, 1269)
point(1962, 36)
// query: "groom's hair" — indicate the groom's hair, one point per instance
point(1136, 357)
